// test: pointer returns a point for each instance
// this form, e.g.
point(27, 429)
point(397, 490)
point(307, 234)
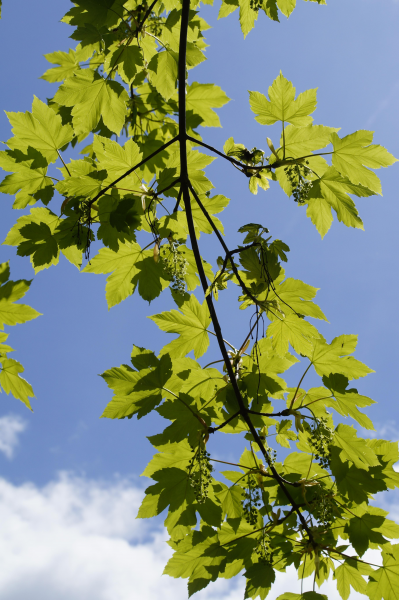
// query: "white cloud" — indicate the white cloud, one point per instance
point(76, 538)
point(388, 430)
point(10, 428)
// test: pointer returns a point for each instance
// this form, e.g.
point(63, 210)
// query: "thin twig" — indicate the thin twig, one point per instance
point(59, 154)
point(142, 162)
point(213, 429)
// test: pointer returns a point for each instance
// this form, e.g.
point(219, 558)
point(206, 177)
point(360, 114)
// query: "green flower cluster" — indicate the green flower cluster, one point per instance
point(175, 265)
point(200, 470)
point(264, 549)
point(298, 177)
point(321, 439)
point(251, 501)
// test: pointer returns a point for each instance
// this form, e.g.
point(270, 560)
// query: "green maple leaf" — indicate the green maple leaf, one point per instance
point(295, 295)
point(260, 578)
point(85, 186)
point(286, 6)
point(41, 129)
point(130, 267)
point(39, 243)
point(247, 17)
point(302, 141)
point(227, 7)
point(191, 324)
point(97, 12)
point(282, 105)
point(93, 97)
point(202, 98)
point(173, 489)
point(284, 434)
point(353, 448)
point(231, 500)
point(11, 314)
point(128, 62)
point(212, 205)
point(349, 574)
point(177, 455)
point(354, 153)
point(164, 72)
point(142, 358)
point(27, 183)
point(304, 596)
point(384, 582)
point(368, 528)
point(68, 64)
point(330, 191)
point(291, 329)
point(347, 401)
point(199, 549)
point(11, 381)
point(42, 235)
point(10, 292)
point(333, 358)
point(116, 160)
point(137, 392)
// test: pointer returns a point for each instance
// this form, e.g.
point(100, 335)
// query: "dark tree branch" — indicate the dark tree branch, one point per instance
point(178, 200)
point(147, 14)
point(222, 242)
point(212, 149)
point(174, 182)
point(185, 184)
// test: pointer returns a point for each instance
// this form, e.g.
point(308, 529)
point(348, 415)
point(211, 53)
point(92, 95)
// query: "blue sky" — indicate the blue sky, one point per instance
point(349, 51)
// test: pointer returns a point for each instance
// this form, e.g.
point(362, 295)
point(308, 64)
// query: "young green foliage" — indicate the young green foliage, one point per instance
point(300, 493)
point(13, 314)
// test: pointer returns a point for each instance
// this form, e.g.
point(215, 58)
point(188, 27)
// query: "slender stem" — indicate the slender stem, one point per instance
point(213, 429)
point(299, 385)
point(317, 400)
point(283, 141)
point(271, 525)
point(150, 244)
point(186, 405)
point(351, 557)
point(212, 149)
point(174, 182)
point(214, 362)
point(147, 14)
point(142, 162)
point(225, 341)
point(250, 333)
point(284, 413)
point(223, 462)
point(222, 242)
point(68, 171)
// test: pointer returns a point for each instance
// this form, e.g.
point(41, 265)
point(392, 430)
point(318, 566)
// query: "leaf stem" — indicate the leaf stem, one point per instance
point(147, 14)
point(213, 429)
point(299, 385)
point(63, 162)
point(225, 341)
point(142, 162)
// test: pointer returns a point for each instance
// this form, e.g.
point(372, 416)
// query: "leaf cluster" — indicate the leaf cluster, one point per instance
point(301, 491)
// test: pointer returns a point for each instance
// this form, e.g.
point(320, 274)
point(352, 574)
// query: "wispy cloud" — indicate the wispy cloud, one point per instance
point(384, 104)
point(11, 426)
point(76, 538)
point(387, 431)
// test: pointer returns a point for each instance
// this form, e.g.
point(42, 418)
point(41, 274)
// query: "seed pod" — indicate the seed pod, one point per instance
point(270, 144)
point(156, 251)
